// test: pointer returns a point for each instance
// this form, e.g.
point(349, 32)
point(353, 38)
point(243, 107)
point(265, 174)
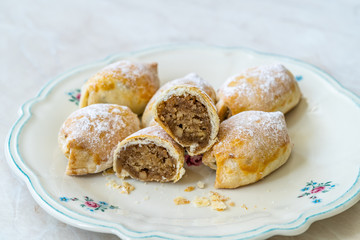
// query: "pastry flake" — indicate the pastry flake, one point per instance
point(201, 202)
point(181, 201)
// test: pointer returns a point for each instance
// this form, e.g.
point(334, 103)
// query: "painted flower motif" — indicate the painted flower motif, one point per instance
point(74, 96)
point(89, 204)
point(313, 189)
point(298, 78)
point(318, 189)
point(92, 204)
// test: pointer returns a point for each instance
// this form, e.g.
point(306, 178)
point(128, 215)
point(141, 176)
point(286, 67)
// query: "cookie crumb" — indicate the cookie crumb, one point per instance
point(218, 205)
point(200, 184)
point(127, 188)
point(189, 189)
point(244, 206)
point(217, 197)
point(113, 184)
point(181, 201)
point(218, 201)
point(201, 202)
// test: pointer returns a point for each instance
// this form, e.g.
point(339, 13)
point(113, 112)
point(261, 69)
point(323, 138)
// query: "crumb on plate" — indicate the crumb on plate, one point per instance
point(200, 184)
point(217, 197)
point(181, 201)
point(218, 205)
point(125, 187)
point(201, 202)
point(189, 189)
point(218, 201)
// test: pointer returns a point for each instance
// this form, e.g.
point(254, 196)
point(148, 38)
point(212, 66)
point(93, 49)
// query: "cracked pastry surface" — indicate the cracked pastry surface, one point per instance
point(90, 134)
point(125, 83)
point(266, 88)
point(149, 155)
point(251, 145)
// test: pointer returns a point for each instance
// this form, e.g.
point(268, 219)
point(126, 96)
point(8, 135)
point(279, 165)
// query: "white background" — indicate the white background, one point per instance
point(41, 39)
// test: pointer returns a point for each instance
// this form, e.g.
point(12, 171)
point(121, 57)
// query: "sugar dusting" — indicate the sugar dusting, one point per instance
point(127, 69)
point(260, 85)
point(98, 128)
point(262, 132)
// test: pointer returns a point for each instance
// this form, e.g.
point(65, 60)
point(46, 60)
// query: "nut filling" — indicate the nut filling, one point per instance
point(187, 118)
point(147, 162)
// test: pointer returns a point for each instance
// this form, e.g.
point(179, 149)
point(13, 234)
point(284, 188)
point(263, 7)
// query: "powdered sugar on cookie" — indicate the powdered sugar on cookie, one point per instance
point(257, 88)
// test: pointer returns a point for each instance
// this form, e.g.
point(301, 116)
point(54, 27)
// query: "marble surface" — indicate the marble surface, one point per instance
point(41, 39)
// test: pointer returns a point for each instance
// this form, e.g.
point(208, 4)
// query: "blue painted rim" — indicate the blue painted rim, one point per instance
point(25, 115)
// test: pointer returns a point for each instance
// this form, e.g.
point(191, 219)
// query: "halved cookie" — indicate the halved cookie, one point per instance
point(90, 134)
point(125, 83)
point(189, 116)
point(149, 155)
point(266, 88)
point(251, 145)
point(192, 79)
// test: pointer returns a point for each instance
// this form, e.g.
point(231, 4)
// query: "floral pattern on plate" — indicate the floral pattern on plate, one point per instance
point(90, 204)
point(298, 78)
point(313, 189)
point(74, 96)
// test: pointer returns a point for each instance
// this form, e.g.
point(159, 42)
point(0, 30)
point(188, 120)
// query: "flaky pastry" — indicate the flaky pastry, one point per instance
point(192, 79)
point(149, 155)
point(189, 116)
point(251, 145)
point(266, 88)
point(90, 134)
point(125, 83)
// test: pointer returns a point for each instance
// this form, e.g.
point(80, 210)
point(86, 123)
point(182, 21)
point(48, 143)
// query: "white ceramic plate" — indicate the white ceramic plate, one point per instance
point(320, 179)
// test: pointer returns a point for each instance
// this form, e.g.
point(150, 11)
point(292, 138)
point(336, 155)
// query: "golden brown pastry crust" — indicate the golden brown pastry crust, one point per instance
point(187, 90)
point(125, 83)
point(151, 135)
point(192, 79)
point(90, 134)
point(266, 88)
point(251, 145)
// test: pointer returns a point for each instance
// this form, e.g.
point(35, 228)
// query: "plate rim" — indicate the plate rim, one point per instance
point(13, 156)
